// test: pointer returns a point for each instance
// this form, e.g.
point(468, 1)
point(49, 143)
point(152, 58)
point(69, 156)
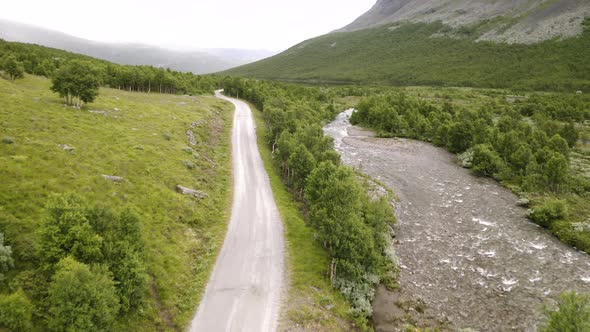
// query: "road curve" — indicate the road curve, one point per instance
point(244, 291)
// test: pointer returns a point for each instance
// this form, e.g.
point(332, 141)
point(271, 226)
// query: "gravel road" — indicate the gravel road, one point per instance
point(244, 291)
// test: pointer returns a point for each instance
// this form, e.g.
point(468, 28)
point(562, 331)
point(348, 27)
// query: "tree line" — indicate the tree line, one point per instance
point(527, 145)
point(17, 59)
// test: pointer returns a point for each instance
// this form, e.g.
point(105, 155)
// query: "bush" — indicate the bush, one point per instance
point(486, 161)
point(6, 261)
point(12, 66)
point(7, 140)
point(16, 312)
point(550, 212)
point(571, 315)
point(81, 299)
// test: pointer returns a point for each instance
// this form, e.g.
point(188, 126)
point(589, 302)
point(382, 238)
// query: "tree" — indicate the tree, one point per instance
point(549, 212)
point(67, 231)
point(571, 315)
point(301, 163)
point(16, 311)
point(12, 67)
point(6, 261)
point(486, 161)
point(76, 82)
point(559, 144)
point(556, 171)
point(46, 68)
point(81, 298)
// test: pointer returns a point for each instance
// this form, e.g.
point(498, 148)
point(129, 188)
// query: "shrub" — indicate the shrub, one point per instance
point(550, 212)
point(7, 140)
point(6, 261)
point(571, 315)
point(486, 161)
point(81, 299)
point(16, 311)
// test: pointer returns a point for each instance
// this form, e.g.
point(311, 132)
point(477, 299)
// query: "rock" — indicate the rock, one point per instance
point(116, 109)
point(191, 137)
point(192, 192)
point(579, 92)
point(524, 202)
point(195, 124)
point(99, 112)
point(66, 147)
point(113, 178)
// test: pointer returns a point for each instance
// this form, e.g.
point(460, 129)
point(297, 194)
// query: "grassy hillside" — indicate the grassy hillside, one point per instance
point(430, 54)
point(142, 138)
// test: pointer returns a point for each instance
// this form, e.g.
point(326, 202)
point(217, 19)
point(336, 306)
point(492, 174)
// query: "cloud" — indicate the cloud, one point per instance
point(190, 24)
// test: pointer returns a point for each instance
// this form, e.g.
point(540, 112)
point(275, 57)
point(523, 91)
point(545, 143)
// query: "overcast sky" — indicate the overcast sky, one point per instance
point(184, 24)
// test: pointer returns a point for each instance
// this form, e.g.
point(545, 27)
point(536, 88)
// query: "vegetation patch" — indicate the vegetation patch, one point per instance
point(151, 281)
point(431, 55)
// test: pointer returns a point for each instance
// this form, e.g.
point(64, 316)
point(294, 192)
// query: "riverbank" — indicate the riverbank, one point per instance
point(469, 256)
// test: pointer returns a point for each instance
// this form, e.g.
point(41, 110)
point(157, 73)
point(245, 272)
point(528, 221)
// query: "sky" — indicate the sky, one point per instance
point(190, 24)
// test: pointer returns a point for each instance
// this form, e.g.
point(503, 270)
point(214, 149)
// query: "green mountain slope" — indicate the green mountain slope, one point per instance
point(431, 54)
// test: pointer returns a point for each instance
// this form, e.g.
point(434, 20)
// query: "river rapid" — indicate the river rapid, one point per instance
point(469, 257)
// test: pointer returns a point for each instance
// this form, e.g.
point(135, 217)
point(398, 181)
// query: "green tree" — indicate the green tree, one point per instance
point(45, 68)
point(76, 82)
point(556, 171)
point(301, 163)
point(67, 231)
point(12, 67)
point(6, 261)
point(571, 315)
point(559, 144)
point(549, 212)
point(16, 311)
point(486, 161)
point(81, 298)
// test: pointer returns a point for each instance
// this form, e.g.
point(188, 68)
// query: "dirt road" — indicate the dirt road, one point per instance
point(244, 291)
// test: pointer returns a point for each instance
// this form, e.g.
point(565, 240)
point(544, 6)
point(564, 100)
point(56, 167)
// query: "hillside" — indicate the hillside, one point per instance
point(46, 149)
point(202, 61)
point(430, 54)
point(512, 21)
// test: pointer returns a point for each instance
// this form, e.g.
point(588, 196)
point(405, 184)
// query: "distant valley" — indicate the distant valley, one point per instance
point(202, 61)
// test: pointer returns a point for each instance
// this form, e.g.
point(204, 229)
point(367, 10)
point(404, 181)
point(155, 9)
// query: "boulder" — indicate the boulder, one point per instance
point(66, 147)
point(191, 137)
point(192, 192)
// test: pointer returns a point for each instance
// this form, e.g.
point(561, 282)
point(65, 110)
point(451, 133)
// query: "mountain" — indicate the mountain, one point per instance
point(513, 21)
point(458, 42)
point(200, 62)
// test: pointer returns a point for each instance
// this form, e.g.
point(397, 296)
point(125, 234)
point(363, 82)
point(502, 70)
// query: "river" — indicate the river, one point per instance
point(468, 255)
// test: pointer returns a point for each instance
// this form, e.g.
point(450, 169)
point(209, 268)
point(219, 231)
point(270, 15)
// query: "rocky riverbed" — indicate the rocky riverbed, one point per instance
point(469, 257)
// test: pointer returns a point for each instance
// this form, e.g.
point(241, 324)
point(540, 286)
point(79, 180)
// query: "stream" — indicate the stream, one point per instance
point(469, 257)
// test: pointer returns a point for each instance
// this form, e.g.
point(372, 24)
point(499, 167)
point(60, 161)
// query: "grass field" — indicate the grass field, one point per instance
point(142, 138)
